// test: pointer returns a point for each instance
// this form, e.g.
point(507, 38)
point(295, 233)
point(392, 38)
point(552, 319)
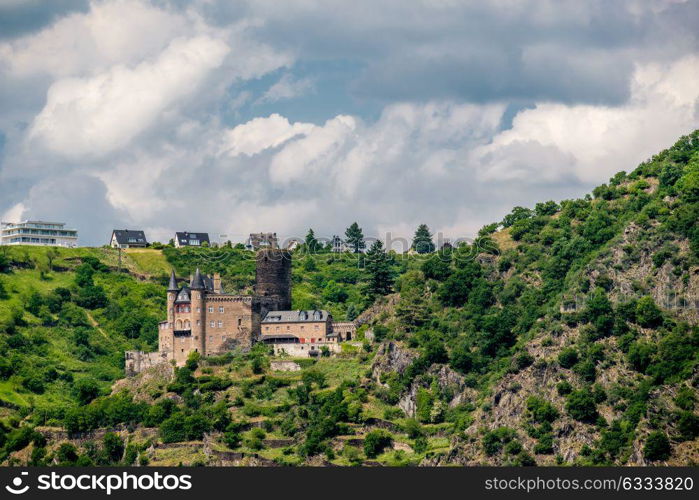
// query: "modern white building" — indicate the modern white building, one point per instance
point(37, 232)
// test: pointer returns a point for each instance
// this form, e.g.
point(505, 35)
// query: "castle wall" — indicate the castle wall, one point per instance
point(137, 361)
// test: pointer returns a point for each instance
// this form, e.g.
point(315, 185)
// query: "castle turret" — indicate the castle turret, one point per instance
point(171, 297)
point(198, 312)
point(273, 276)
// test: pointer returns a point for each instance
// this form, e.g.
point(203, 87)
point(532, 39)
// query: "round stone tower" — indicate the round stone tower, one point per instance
point(273, 276)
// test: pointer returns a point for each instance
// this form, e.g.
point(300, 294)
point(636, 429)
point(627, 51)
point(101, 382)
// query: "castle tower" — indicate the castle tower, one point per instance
point(199, 313)
point(273, 276)
point(172, 290)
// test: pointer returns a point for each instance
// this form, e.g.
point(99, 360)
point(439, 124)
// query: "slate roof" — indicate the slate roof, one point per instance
point(185, 237)
point(296, 316)
point(129, 237)
point(183, 296)
point(201, 282)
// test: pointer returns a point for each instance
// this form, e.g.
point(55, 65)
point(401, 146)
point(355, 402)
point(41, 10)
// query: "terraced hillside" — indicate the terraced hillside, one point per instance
point(566, 334)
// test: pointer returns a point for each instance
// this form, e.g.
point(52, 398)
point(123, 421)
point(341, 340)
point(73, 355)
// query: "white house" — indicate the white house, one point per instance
point(36, 232)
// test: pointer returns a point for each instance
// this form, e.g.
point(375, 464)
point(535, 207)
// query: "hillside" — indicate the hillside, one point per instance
point(566, 334)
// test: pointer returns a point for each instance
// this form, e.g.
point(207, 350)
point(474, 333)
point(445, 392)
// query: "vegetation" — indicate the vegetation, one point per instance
point(551, 327)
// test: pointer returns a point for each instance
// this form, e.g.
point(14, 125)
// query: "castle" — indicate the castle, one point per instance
point(202, 317)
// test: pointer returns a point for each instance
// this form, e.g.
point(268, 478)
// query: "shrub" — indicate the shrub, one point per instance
point(648, 315)
point(640, 355)
point(493, 441)
point(581, 406)
point(586, 370)
point(375, 442)
point(568, 357)
point(688, 425)
point(564, 388)
point(86, 390)
point(541, 410)
point(657, 446)
point(113, 447)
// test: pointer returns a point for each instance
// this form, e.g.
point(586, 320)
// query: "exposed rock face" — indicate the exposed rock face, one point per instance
point(391, 357)
point(394, 358)
point(383, 305)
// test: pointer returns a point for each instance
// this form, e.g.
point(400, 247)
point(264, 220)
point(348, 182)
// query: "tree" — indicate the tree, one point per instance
point(312, 244)
point(518, 213)
point(51, 255)
point(581, 406)
point(379, 268)
point(657, 446)
point(86, 390)
point(375, 442)
point(113, 447)
point(648, 315)
point(355, 237)
point(422, 241)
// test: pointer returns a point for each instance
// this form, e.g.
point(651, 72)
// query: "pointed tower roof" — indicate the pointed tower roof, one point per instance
point(198, 281)
point(172, 287)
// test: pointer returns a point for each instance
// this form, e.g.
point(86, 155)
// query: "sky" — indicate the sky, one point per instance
point(233, 117)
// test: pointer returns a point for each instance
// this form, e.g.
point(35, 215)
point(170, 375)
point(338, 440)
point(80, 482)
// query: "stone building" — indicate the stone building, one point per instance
point(257, 241)
point(202, 317)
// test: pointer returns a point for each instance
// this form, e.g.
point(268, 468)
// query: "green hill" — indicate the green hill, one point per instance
point(565, 334)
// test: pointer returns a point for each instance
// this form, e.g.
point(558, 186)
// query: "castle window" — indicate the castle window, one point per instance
point(212, 324)
point(266, 328)
point(220, 309)
point(211, 309)
point(187, 309)
point(240, 321)
point(198, 309)
point(198, 322)
point(220, 324)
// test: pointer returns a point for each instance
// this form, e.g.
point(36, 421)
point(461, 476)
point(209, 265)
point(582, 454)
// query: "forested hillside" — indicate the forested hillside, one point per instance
point(566, 334)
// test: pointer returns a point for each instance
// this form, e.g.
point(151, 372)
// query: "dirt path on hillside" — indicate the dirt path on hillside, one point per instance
point(95, 324)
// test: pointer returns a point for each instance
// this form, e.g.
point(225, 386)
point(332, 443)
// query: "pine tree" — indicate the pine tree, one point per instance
point(422, 241)
point(378, 266)
point(311, 242)
point(355, 237)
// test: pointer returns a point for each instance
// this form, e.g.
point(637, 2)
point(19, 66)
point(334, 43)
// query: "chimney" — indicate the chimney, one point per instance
point(217, 283)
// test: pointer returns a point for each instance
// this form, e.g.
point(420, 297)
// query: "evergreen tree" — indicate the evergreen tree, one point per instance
point(312, 244)
point(355, 237)
point(378, 266)
point(422, 241)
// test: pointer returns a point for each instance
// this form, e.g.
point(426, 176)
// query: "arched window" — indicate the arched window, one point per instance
point(179, 324)
point(187, 324)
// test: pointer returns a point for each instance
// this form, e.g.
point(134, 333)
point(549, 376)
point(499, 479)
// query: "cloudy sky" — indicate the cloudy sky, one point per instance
point(237, 116)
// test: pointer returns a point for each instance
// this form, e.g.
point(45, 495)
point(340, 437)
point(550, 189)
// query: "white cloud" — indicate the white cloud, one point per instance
point(286, 88)
point(262, 133)
point(93, 116)
point(555, 141)
point(14, 213)
point(118, 31)
point(305, 158)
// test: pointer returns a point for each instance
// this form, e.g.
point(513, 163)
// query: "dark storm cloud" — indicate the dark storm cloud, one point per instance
point(568, 51)
point(19, 17)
